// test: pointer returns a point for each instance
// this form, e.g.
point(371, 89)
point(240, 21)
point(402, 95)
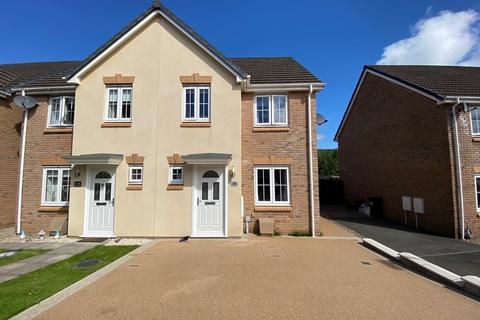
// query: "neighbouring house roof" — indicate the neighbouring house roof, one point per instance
point(35, 74)
point(275, 70)
point(439, 83)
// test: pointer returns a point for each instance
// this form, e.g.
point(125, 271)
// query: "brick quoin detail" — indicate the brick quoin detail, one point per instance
point(283, 148)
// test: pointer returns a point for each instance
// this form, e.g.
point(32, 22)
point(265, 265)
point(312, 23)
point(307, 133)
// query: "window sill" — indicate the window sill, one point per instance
point(58, 130)
point(175, 187)
point(135, 187)
point(286, 208)
point(116, 125)
point(53, 209)
point(271, 129)
point(476, 139)
point(195, 124)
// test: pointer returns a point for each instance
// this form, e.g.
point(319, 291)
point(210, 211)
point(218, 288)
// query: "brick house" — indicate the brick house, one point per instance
point(99, 147)
point(410, 135)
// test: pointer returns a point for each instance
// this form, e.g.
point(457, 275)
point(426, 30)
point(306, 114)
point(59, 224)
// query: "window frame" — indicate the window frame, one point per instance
point(130, 172)
point(272, 201)
point(271, 119)
point(60, 170)
point(170, 175)
point(119, 89)
point(477, 109)
point(62, 112)
point(476, 192)
point(196, 109)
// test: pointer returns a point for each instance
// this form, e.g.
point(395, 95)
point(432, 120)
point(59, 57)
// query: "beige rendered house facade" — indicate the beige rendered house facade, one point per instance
point(158, 143)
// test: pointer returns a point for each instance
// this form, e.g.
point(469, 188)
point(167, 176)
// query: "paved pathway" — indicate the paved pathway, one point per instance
point(460, 257)
point(58, 252)
point(262, 278)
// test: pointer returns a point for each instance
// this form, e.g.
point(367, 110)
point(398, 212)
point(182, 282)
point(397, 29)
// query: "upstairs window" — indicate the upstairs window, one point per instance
point(475, 119)
point(271, 110)
point(196, 103)
point(56, 186)
point(61, 112)
point(119, 104)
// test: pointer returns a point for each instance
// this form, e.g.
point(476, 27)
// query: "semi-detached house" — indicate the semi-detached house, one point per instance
point(157, 133)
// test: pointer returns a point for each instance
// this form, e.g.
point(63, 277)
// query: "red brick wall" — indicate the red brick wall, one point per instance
point(291, 144)
point(10, 128)
point(396, 143)
point(41, 146)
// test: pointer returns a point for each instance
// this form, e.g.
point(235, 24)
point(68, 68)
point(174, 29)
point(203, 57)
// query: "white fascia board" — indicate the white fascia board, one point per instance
point(76, 78)
point(357, 89)
point(455, 99)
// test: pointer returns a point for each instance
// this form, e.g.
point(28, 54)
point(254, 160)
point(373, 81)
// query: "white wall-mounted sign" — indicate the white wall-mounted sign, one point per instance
point(407, 203)
point(418, 206)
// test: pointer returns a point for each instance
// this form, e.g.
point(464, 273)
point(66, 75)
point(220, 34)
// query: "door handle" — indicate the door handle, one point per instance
point(198, 201)
point(113, 201)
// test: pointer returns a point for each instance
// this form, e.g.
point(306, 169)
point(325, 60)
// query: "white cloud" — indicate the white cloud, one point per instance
point(321, 137)
point(448, 38)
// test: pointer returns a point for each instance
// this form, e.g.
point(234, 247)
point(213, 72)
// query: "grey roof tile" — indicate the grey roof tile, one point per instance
point(275, 70)
point(439, 81)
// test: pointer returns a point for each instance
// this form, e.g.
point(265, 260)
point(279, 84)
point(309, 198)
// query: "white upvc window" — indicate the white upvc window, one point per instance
point(271, 110)
point(272, 185)
point(55, 186)
point(61, 112)
point(175, 175)
point(135, 174)
point(196, 103)
point(477, 192)
point(119, 104)
point(475, 121)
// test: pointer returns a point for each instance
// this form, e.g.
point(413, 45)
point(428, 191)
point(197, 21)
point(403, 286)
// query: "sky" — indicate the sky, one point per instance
point(333, 39)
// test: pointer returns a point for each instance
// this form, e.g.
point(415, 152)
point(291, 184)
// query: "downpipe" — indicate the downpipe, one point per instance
point(310, 164)
point(458, 169)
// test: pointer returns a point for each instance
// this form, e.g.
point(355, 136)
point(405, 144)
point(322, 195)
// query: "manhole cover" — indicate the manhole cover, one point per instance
point(87, 263)
point(7, 254)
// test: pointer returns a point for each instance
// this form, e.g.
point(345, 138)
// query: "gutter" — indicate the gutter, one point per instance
point(46, 90)
point(282, 87)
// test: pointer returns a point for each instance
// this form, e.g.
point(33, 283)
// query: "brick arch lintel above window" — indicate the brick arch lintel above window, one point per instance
point(175, 159)
point(134, 159)
point(118, 79)
point(196, 79)
point(271, 160)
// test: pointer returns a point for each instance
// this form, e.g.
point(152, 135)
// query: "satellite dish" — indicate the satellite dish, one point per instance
point(320, 119)
point(25, 102)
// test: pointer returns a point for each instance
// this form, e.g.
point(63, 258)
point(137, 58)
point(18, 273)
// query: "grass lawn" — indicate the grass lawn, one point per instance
point(21, 293)
point(22, 254)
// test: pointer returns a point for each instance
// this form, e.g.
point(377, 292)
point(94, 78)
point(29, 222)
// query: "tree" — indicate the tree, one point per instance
point(328, 164)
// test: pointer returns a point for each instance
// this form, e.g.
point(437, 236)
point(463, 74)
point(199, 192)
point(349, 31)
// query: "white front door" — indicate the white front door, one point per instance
point(209, 203)
point(101, 203)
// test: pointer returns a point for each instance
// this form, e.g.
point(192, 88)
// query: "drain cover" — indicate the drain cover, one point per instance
point(7, 254)
point(87, 263)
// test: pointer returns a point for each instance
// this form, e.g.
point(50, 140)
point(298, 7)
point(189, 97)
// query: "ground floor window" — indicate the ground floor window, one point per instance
point(135, 175)
point(272, 185)
point(56, 185)
point(176, 175)
point(477, 191)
